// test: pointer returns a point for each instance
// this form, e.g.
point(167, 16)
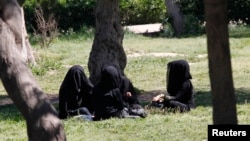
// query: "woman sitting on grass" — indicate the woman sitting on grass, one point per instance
point(75, 94)
point(179, 88)
point(110, 95)
point(130, 97)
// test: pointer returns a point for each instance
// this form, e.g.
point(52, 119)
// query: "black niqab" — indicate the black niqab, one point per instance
point(110, 78)
point(75, 91)
point(178, 72)
point(107, 97)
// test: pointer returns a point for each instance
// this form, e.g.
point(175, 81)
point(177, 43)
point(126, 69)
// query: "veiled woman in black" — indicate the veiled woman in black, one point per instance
point(130, 97)
point(115, 96)
point(107, 97)
point(179, 87)
point(75, 94)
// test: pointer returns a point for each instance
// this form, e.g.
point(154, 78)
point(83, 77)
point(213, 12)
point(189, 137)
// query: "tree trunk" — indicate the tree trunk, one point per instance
point(107, 46)
point(13, 16)
point(220, 71)
point(175, 14)
point(26, 47)
point(41, 117)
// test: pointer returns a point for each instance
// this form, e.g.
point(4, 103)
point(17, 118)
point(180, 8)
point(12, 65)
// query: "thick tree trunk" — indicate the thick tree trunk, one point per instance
point(220, 71)
point(42, 121)
point(174, 12)
point(41, 117)
point(107, 46)
point(12, 14)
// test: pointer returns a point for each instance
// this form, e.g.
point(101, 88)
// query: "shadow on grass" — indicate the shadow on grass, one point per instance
point(202, 98)
point(10, 112)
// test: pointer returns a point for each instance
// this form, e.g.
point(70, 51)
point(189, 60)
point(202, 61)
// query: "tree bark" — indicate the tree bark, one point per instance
point(41, 117)
point(12, 14)
point(107, 46)
point(174, 12)
point(26, 47)
point(220, 71)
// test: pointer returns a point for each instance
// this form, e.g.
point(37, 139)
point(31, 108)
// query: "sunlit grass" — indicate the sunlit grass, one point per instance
point(146, 67)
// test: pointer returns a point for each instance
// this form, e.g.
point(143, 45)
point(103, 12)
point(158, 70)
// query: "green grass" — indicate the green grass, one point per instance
point(148, 74)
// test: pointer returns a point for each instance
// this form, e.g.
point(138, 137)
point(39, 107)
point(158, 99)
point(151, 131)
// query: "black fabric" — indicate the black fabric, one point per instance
point(110, 98)
point(137, 110)
point(110, 78)
point(179, 85)
point(132, 102)
point(127, 86)
point(75, 91)
point(107, 97)
point(177, 72)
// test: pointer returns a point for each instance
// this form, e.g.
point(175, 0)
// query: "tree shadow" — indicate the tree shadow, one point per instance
point(242, 95)
point(8, 110)
point(202, 98)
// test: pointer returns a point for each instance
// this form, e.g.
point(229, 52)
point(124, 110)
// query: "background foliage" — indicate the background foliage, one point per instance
point(142, 11)
point(238, 10)
point(74, 14)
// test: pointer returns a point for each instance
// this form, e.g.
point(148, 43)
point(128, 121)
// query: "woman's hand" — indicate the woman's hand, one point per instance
point(128, 94)
point(159, 98)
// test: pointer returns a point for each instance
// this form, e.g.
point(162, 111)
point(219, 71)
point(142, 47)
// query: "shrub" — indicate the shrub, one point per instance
point(167, 29)
point(46, 30)
point(192, 26)
point(142, 11)
point(71, 14)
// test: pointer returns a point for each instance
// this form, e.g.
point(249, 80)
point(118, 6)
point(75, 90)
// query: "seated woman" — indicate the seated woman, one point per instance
point(129, 94)
point(131, 99)
point(109, 96)
point(75, 94)
point(179, 88)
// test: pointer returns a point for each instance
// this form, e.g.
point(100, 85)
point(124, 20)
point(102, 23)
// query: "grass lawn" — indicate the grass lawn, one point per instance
point(147, 60)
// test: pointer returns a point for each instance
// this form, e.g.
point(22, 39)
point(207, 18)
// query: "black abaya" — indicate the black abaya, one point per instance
point(179, 86)
point(75, 92)
point(107, 97)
